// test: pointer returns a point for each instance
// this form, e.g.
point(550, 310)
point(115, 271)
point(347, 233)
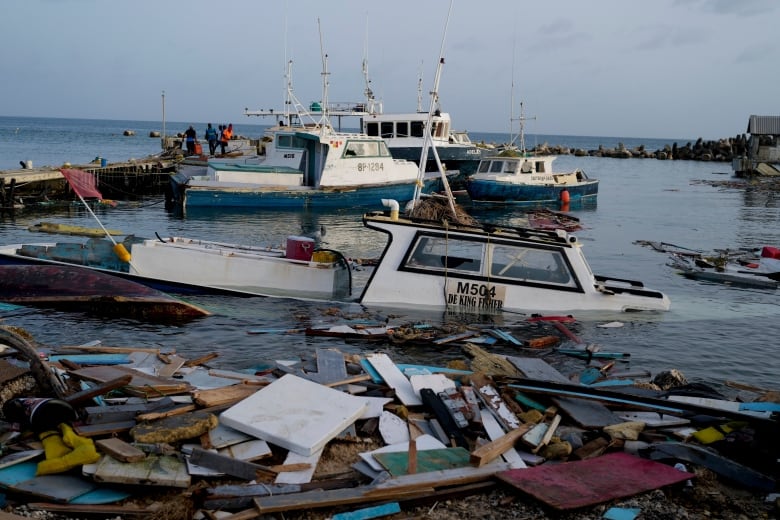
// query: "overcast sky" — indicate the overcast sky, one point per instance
point(665, 69)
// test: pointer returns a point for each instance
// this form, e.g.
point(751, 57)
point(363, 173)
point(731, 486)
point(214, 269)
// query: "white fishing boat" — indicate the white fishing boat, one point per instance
point(306, 163)
point(191, 266)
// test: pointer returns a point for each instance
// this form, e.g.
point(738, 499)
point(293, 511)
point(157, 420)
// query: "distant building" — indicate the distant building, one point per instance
point(762, 155)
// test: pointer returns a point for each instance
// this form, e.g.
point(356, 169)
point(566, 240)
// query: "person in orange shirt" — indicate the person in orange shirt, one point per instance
point(227, 133)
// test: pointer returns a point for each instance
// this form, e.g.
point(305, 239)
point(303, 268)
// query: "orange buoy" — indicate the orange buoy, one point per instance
point(565, 196)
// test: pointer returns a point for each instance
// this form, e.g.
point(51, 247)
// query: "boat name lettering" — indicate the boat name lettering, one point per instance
point(289, 156)
point(370, 166)
point(472, 152)
point(548, 178)
point(475, 295)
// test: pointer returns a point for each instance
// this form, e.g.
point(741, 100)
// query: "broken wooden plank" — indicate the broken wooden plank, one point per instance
point(223, 395)
point(98, 390)
point(398, 488)
point(120, 450)
point(494, 431)
point(490, 451)
point(395, 379)
point(154, 470)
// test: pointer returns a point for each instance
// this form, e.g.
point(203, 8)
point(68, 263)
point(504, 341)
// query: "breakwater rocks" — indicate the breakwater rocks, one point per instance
point(722, 150)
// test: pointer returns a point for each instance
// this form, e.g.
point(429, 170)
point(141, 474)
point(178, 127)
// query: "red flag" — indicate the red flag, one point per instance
point(83, 183)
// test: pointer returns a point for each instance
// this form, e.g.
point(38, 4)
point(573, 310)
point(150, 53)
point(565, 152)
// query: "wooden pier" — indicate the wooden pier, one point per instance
point(121, 181)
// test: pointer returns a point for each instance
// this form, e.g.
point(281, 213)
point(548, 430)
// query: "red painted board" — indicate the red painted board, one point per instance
point(585, 483)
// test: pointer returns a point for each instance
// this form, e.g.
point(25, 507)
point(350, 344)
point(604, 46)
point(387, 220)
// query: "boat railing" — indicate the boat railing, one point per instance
point(557, 236)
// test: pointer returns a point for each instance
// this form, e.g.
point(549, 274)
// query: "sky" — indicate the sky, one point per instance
point(662, 69)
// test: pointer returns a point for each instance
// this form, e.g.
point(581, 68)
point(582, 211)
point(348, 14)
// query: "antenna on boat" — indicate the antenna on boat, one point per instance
point(522, 118)
point(371, 106)
point(324, 121)
point(419, 91)
point(429, 138)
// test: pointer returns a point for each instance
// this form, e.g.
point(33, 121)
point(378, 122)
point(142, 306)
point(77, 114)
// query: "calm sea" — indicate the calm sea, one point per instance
point(712, 334)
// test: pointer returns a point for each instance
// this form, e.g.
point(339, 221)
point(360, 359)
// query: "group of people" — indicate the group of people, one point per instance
point(214, 137)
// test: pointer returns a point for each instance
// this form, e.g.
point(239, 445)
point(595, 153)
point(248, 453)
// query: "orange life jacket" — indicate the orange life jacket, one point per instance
point(227, 133)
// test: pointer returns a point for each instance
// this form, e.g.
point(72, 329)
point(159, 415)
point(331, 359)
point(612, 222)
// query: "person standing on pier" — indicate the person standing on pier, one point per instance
point(227, 133)
point(190, 136)
point(211, 137)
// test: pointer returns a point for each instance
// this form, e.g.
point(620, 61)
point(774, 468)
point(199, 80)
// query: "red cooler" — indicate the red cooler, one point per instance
point(300, 248)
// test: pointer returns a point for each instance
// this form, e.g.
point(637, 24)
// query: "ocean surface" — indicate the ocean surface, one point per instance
point(713, 333)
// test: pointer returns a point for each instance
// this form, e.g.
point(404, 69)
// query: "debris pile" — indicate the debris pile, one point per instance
point(345, 432)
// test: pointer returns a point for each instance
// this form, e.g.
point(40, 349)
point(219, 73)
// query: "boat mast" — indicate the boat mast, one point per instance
point(428, 137)
point(324, 121)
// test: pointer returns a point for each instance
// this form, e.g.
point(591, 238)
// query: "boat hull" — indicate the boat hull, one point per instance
point(186, 266)
point(72, 288)
point(495, 192)
point(273, 197)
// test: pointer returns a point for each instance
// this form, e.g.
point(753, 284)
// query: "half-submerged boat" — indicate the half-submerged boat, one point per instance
point(437, 257)
point(517, 176)
point(70, 288)
point(487, 268)
point(191, 266)
point(732, 268)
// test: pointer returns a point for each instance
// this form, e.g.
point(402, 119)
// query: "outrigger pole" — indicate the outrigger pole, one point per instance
point(428, 137)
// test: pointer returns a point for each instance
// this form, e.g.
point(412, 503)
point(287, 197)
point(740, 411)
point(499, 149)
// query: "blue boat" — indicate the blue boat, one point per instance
point(520, 178)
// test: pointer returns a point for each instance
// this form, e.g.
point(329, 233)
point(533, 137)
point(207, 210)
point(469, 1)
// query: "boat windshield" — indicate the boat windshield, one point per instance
point(366, 149)
point(530, 264)
point(500, 262)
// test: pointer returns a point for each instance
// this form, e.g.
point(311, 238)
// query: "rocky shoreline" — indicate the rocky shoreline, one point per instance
point(721, 150)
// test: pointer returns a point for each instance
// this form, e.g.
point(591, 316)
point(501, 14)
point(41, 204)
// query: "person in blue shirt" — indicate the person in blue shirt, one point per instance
point(211, 137)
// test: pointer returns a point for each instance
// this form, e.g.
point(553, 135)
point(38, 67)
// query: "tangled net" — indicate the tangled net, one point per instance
point(438, 209)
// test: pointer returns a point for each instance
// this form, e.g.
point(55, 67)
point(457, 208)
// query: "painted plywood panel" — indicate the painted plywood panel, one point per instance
point(593, 481)
point(294, 413)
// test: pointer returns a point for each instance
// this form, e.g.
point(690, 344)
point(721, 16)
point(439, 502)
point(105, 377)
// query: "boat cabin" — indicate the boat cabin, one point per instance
point(399, 126)
point(515, 165)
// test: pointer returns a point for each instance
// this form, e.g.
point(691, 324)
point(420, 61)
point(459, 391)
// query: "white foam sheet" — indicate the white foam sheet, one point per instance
point(294, 413)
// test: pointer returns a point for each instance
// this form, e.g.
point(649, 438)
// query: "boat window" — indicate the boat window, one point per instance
point(290, 141)
point(526, 168)
point(540, 167)
point(417, 128)
point(496, 166)
point(387, 130)
point(530, 264)
point(366, 149)
point(442, 254)
point(372, 129)
point(484, 166)
point(402, 129)
point(510, 166)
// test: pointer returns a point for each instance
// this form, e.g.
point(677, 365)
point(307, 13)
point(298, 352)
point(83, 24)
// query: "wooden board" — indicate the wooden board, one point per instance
point(155, 470)
point(294, 413)
point(299, 477)
point(587, 414)
point(423, 442)
point(395, 379)
point(397, 463)
point(589, 482)
point(141, 384)
point(21, 478)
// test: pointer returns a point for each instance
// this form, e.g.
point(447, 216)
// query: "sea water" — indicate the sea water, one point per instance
point(713, 332)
